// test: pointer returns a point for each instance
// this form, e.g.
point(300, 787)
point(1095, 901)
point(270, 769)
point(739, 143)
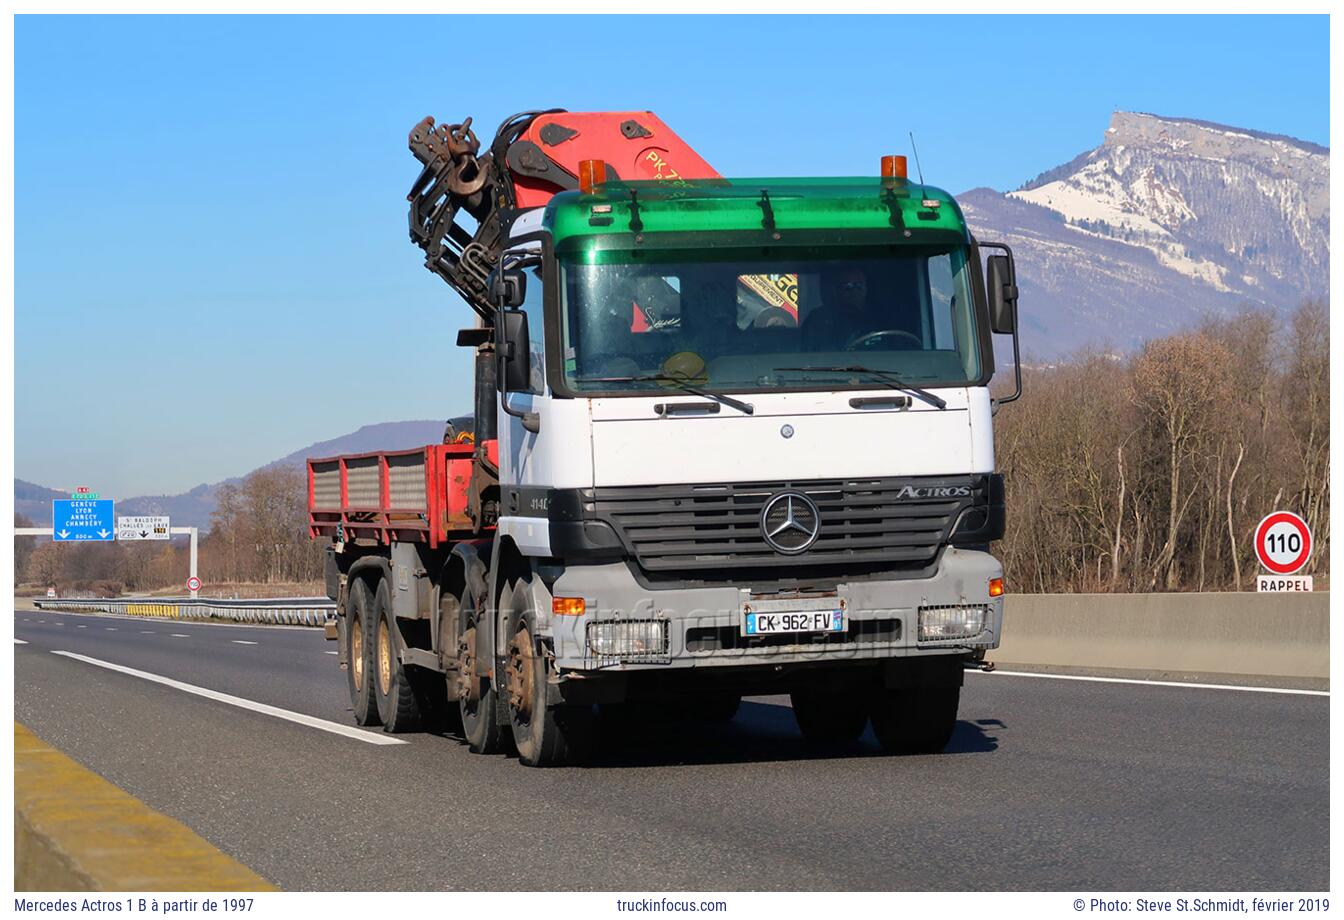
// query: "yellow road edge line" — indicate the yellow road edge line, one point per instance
point(75, 831)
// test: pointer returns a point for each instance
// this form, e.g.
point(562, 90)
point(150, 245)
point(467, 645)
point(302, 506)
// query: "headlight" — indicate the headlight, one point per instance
point(629, 640)
point(944, 623)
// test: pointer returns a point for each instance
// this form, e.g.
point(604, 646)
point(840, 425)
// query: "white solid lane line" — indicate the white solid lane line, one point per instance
point(1156, 683)
point(299, 718)
point(241, 642)
point(20, 642)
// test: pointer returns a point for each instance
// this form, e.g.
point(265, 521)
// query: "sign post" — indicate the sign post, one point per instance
point(191, 575)
point(1283, 546)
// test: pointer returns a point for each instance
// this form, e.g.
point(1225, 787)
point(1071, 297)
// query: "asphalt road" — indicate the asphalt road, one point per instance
point(1048, 784)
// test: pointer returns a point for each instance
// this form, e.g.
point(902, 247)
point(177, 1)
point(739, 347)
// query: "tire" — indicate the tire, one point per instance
point(477, 699)
point(393, 689)
point(359, 653)
point(545, 736)
point(830, 718)
point(915, 720)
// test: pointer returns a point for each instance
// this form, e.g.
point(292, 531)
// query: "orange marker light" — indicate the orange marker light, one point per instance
point(567, 606)
point(592, 173)
point(996, 587)
point(893, 167)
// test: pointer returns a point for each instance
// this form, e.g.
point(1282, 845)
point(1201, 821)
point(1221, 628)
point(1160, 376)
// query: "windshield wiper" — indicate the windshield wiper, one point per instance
point(676, 382)
point(887, 377)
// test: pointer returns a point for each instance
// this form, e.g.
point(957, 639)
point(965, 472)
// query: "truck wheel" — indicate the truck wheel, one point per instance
point(829, 718)
point(915, 720)
point(545, 736)
point(394, 689)
point(358, 653)
point(477, 700)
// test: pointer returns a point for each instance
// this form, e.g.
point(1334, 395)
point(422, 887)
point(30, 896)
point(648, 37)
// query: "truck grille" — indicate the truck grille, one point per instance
point(898, 522)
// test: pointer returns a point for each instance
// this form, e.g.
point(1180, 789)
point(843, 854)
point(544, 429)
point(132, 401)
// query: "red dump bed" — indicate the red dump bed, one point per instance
point(417, 495)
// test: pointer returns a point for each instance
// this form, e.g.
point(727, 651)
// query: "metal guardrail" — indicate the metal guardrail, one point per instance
point(286, 611)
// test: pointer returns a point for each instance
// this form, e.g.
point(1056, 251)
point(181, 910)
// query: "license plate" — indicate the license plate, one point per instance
point(799, 621)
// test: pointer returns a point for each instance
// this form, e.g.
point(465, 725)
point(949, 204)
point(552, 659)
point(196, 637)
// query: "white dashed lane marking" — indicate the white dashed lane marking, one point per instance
point(179, 635)
point(241, 642)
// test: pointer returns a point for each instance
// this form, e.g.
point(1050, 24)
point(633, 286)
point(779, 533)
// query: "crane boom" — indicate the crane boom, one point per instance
point(533, 156)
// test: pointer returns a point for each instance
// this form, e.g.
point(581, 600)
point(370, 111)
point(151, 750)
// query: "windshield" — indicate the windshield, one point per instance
point(733, 320)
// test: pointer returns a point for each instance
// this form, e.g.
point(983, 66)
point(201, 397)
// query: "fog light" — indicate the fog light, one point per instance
point(629, 639)
point(940, 623)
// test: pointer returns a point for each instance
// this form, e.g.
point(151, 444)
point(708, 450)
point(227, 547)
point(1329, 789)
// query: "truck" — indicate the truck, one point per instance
point(730, 437)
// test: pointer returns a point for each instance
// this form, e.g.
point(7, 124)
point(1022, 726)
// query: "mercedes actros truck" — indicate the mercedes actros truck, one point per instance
point(730, 437)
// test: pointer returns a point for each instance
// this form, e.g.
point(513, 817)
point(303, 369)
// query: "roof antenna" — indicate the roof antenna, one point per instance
point(919, 169)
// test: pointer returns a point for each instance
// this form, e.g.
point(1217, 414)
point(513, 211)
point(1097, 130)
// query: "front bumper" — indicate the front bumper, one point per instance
point(627, 626)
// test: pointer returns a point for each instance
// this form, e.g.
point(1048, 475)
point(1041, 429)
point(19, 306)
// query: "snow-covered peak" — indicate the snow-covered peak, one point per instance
point(1241, 211)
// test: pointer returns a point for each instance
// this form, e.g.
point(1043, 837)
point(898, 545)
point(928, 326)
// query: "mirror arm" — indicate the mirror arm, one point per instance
point(531, 420)
point(1017, 353)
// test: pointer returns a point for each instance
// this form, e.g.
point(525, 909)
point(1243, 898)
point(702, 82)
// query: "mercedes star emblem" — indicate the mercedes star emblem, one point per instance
point(790, 522)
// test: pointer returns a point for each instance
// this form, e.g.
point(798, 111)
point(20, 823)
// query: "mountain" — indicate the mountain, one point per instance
point(193, 508)
point(34, 501)
point(1167, 221)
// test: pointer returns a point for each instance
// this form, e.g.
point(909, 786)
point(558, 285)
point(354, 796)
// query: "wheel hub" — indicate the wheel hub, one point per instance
point(520, 684)
point(468, 687)
point(384, 658)
point(357, 650)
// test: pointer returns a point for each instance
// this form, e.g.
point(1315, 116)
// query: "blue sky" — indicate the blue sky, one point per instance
point(212, 267)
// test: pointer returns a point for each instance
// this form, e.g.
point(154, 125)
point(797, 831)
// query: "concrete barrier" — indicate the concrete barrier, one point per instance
point(75, 831)
point(1276, 637)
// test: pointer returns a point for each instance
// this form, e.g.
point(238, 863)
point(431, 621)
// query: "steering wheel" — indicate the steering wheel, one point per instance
point(863, 340)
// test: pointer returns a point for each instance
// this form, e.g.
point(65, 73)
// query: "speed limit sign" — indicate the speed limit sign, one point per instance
point(1283, 542)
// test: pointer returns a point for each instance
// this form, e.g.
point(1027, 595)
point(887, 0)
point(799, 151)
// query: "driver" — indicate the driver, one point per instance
point(843, 313)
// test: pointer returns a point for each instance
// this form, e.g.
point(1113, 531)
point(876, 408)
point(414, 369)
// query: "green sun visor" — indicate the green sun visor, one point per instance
point(770, 212)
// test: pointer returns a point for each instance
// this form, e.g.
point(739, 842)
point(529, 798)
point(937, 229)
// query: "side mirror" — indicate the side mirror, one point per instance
point(1001, 286)
point(508, 288)
point(515, 350)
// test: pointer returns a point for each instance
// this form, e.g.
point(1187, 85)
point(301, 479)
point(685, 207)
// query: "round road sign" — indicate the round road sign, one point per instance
point(1283, 542)
point(193, 583)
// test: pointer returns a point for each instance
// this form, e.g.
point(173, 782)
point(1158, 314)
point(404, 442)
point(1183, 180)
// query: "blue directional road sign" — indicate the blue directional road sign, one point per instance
point(83, 519)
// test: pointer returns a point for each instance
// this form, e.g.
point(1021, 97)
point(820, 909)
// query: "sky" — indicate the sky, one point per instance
point(211, 261)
